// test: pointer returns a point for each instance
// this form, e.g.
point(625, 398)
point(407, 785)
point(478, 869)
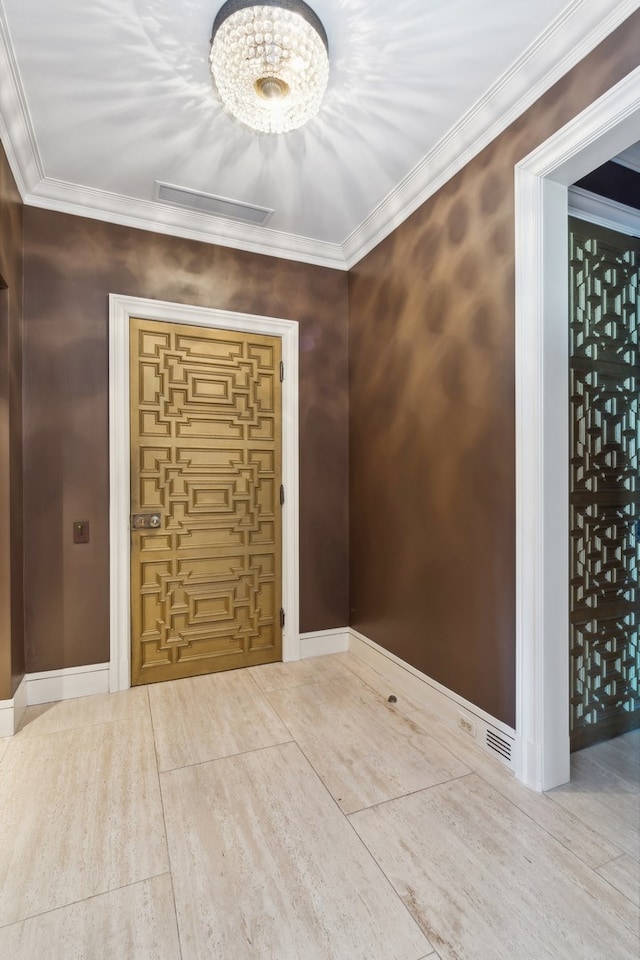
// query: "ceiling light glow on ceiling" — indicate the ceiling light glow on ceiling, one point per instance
point(270, 63)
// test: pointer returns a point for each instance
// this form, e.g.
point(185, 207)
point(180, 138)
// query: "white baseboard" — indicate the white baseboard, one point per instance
point(322, 642)
point(64, 684)
point(7, 726)
point(492, 735)
point(68, 683)
point(11, 711)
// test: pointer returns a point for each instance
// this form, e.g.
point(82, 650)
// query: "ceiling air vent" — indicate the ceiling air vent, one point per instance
point(499, 744)
point(215, 206)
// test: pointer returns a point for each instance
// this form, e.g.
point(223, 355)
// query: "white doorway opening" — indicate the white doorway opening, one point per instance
point(542, 179)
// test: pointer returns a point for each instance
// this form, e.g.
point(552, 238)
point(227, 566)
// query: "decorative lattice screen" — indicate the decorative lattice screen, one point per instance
point(604, 485)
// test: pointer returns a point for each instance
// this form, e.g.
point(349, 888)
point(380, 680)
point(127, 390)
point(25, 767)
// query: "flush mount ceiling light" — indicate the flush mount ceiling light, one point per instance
point(269, 62)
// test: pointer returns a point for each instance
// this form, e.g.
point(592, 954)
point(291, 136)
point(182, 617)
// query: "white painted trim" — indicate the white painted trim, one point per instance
point(164, 218)
point(579, 28)
point(67, 683)
point(542, 681)
point(49, 686)
point(361, 646)
point(434, 696)
point(121, 308)
point(16, 128)
point(603, 211)
point(629, 159)
point(11, 711)
point(7, 727)
point(319, 643)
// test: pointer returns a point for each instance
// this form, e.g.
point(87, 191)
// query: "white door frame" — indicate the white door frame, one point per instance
point(121, 309)
point(601, 131)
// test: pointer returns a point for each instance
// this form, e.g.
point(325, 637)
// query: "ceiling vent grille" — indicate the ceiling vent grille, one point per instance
point(499, 744)
point(214, 206)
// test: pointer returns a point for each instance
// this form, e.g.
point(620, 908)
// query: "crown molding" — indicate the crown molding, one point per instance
point(572, 35)
point(630, 159)
point(578, 29)
point(158, 217)
point(604, 212)
point(16, 129)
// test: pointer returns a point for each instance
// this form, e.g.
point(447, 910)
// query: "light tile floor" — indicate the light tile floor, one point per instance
point(289, 812)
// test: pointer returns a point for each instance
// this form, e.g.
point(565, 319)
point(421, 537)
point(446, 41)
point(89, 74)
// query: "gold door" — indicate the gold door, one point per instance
point(205, 457)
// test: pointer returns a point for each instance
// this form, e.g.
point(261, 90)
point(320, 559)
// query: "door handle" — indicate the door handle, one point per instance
point(146, 521)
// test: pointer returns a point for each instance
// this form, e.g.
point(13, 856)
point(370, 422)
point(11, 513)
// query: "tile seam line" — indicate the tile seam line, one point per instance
point(583, 824)
point(164, 822)
point(571, 853)
point(73, 903)
point(617, 889)
point(80, 726)
point(619, 856)
point(624, 853)
point(390, 885)
point(226, 756)
point(395, 709)
point(411, 793)
point(578, 882)
point(265, 698)
point(598, 837)
point(297, 686)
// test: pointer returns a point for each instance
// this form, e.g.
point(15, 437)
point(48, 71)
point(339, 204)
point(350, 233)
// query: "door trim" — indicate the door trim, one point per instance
point(604, 212)
point(121, 309)
point(542, 178)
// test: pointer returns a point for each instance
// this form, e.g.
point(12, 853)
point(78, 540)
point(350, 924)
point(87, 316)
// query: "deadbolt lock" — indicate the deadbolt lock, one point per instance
point(145, 521)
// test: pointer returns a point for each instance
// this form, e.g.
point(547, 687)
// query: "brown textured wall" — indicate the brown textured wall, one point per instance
point(71, 265)
point(432, 502)
point(11, 544)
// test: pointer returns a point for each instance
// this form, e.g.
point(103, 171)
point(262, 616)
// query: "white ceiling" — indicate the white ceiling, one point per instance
point(99, 99)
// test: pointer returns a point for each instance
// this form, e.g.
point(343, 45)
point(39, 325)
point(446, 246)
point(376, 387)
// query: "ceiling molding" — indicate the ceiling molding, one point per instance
point(16, 129)
point(165, 218)
point(578, 30)
point(582, 25)
point(603, 211)
point(629, 158)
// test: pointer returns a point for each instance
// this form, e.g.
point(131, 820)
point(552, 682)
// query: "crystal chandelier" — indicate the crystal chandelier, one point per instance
point(269, 62)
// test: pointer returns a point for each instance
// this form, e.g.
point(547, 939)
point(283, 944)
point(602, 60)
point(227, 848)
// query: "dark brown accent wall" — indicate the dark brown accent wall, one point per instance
point(432, 504)
point(71, 265)
point(11, 545)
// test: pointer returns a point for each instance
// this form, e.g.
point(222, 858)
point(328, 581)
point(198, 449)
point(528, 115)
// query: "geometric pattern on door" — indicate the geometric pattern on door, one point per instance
point(206, 455)
point(604, 485)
